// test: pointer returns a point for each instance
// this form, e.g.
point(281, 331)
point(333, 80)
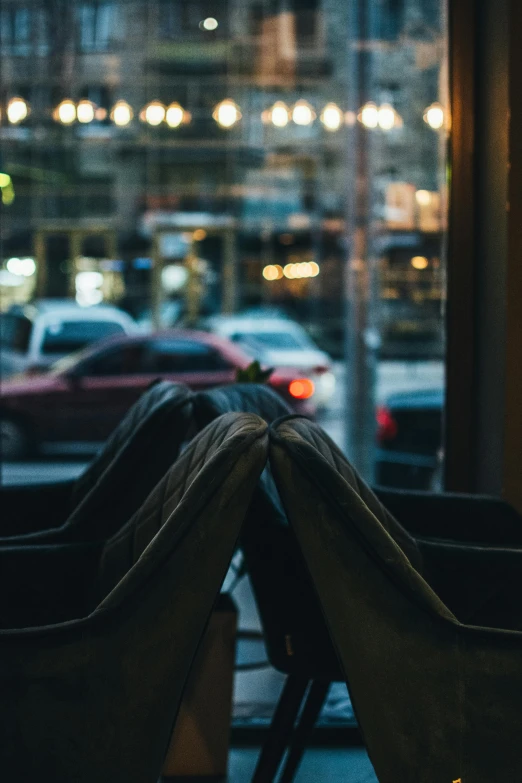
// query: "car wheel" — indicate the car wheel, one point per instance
point(14, 442)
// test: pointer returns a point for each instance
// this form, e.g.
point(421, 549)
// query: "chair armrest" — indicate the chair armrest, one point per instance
point(454, 516)
point(33, 507)
point(42, 585)
point(481, 585)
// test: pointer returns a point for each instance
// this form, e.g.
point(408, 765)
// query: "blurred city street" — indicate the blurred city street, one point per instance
point(392, 376)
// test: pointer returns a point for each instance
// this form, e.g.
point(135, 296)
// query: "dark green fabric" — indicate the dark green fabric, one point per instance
point(95, 699)
point(436, 700)
point(135, 457)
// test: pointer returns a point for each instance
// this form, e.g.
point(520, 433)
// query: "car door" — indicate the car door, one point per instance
point(101, 390)
point(189, 361)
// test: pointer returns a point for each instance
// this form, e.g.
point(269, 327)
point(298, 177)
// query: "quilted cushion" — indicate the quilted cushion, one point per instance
point(242, 397)
point(215, 448)
point(299, 431)
point(137, 455)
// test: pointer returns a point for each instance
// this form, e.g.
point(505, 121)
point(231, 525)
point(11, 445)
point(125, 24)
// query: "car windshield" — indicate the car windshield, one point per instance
point(279, 341)
point(68, 336)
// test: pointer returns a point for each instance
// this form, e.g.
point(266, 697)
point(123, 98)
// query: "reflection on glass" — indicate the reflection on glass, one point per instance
point(252, 168)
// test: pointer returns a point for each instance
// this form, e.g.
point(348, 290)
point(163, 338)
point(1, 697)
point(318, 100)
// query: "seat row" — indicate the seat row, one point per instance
point(107, 584)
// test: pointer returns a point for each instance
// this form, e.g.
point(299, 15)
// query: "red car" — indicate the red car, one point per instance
point(83, 397)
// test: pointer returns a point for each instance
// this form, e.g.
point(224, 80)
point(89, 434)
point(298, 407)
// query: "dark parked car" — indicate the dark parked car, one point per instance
point(409, 435)
point(83, 397)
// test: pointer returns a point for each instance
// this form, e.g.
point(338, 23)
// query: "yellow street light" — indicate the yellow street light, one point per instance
point(227, 113)
point(121, 114)
point(331, 117)
point(85, 111)
point(65, 112)
point(273, 272)
point(153, 113)
point(176, 115)
point(435, 116)
point(17, 110)
point(303, 113)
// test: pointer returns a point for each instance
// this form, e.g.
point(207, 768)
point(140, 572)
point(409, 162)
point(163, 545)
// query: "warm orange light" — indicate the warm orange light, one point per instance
point(199, 235)
point(302, 388)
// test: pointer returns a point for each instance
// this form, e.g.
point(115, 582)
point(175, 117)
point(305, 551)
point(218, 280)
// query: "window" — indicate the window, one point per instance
point(98, 26)
point(69, 336)
point(15, 332)
point(180, 356)
point(123, 360)
point(15, 30)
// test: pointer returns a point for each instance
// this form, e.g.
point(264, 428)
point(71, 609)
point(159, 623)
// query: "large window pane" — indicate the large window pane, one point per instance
point(272, 171)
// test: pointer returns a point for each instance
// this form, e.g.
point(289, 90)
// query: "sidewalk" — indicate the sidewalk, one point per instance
point(319, 764)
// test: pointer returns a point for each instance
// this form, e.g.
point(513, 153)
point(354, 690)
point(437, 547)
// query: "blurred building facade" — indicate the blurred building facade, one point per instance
point(291, 122)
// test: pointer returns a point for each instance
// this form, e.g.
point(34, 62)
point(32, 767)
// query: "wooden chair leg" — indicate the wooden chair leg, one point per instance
point(298, 743)
point(280, 730)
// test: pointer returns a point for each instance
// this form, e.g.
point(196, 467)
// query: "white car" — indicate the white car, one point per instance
point(36, 335)
point(279, 342)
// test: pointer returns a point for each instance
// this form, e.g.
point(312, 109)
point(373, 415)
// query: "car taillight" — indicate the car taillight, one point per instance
point(301, 388)
point(387, 427)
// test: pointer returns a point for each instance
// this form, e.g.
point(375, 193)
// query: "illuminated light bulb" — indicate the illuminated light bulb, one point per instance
point(65, 112)
point(17, 110)
point(331, 117)
point(270, 272)
point(121, 114)
point(100, 114)
point(423, 197)
point(227, 113)
point(369, 115)
point(302, 113)
point(387, 117)
point(419, 262)
point(175, 115)
point(279, 114)
point(85, 111)
point(314, 269)
point(209, 23)
point(23, 267)
point(289, 271)
point(153, 113)
point(435, 116)
point(199, 235)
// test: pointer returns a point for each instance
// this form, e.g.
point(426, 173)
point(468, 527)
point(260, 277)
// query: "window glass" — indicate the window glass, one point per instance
point(200, 162)
point(15, 332)
point(183, 356)
point(123, 360)
point(68, 336)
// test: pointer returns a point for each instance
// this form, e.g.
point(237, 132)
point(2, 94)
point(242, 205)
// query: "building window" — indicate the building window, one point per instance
point(15, 31)
point(99, 26)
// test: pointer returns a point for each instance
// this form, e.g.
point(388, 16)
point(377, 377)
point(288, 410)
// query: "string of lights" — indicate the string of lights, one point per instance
point(227, 114)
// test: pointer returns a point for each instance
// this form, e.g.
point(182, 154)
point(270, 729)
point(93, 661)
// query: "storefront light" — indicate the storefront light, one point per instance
point(303, 113)
point(153, 113)
point(273, 272)
point(209, 23)
point(419, 262)
point(85, 111)
point(23, 267)
point(227, 113)
point(17, 110)
point(331, 117)
point(121, 114)
point(435, 116)
point(423, 197)
point(65, 112)
point(176, 115)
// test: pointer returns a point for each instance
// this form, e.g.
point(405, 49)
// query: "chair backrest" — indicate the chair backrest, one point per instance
point(96, 698)
point(134, 459)
point(397, 642)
